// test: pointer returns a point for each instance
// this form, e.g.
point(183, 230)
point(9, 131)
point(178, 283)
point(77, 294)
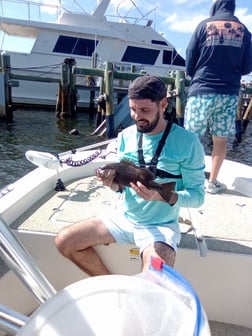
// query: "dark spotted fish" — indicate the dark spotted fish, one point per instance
point(124, 172)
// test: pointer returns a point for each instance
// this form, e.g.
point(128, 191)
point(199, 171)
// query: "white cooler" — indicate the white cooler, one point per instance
point(159, 302)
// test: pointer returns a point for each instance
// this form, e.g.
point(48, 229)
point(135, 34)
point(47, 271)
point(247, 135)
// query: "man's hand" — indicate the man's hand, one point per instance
point(145, 193)
point(108, 181)
point(152, 195)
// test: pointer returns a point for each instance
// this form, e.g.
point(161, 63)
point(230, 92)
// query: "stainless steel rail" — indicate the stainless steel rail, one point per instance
point(23, 265)
point(11, 321)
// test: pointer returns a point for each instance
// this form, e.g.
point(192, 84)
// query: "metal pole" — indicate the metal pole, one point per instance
point(23, 265)
point(11, 321)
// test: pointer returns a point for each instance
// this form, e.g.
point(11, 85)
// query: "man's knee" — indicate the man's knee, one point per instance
point(62, 242)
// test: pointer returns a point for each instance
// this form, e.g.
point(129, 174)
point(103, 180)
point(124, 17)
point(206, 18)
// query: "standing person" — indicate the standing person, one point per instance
point(218, 54)
point(145, 218)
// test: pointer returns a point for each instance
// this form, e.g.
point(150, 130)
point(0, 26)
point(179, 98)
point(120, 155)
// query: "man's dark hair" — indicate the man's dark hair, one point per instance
point(147, 87)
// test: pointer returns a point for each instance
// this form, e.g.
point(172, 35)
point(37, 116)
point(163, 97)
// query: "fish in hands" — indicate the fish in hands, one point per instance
point(121, 174)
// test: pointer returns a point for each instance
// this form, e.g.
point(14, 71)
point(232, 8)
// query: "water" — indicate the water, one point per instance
point(40, 130)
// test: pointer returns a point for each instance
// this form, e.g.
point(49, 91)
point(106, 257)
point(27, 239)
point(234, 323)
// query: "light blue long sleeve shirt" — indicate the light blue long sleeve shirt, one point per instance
point(181, 154)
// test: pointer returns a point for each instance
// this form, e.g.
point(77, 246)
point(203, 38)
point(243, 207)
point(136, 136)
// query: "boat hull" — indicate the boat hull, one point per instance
point(218, 279)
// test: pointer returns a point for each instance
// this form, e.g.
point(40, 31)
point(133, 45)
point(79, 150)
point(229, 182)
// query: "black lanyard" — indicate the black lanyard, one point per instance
point(153, 163)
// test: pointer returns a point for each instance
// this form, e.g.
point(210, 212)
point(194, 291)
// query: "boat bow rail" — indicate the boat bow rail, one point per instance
point(23, 265)
point(11, 321)
point(30, 10)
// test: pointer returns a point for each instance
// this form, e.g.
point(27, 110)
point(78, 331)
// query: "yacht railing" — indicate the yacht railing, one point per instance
point(31, 10)
point(46, 12)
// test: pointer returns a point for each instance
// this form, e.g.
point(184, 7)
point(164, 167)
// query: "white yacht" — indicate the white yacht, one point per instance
point(55, 33)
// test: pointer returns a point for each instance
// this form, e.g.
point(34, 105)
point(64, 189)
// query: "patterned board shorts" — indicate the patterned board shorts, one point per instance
point(216, 112)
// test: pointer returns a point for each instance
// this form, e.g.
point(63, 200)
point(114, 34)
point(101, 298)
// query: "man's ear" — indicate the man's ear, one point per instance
point(164, 103)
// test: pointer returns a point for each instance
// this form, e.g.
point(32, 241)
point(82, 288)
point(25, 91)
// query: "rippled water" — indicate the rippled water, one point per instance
point(40, 130)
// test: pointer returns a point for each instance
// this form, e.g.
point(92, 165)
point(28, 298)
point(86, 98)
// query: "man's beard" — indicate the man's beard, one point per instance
point(149, 127)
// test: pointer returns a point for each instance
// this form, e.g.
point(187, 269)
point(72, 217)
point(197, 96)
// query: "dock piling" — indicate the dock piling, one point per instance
point(66, 105)
point(109, 91)
point(180, 99)
point(247, 116)
point(6, 110)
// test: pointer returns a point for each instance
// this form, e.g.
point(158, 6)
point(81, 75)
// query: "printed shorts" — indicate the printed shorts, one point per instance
point(126, 232)
point(214, 111)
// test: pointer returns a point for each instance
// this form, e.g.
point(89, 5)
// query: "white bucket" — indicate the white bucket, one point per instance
point(118, 305)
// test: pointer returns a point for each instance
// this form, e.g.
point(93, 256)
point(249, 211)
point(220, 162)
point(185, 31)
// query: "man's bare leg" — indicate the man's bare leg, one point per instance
point(159, 250)
point(76, 242)
point(218, 156)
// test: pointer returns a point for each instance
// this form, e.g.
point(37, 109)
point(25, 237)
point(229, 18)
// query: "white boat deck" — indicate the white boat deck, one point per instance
point(224, 219)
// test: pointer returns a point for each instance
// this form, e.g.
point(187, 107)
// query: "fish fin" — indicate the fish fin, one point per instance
point(148, 173)
point(128, 162)
point(166, 190)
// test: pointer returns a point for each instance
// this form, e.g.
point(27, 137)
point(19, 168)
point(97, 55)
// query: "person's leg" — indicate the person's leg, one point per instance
point(75, 243)
point(160, 250)
point(222, 123)
point(158, 241)
point(218, 156)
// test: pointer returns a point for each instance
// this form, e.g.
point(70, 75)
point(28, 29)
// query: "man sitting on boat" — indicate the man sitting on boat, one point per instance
point(147, 218)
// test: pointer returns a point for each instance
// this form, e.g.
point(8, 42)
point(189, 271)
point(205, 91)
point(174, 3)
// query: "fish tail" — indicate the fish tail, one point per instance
point(166, 190)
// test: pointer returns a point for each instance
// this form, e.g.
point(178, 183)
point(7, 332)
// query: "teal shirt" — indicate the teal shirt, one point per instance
point(181, 154)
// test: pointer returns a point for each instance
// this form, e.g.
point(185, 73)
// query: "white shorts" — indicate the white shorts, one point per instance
point(126, 232)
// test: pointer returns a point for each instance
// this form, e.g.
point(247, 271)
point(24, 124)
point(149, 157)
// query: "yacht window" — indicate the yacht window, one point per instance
point(65, 44)
point(140, 55)
point(75, 46)
point(172, 57)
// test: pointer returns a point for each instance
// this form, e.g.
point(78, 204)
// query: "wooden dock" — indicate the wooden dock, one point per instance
point(104, 105)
